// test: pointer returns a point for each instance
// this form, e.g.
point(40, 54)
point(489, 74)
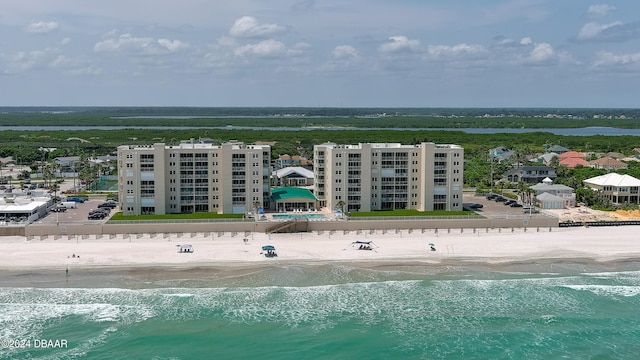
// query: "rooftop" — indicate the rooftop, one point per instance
point(286, 193)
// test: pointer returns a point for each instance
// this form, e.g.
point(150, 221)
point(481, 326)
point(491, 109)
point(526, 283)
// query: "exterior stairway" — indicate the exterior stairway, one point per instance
point(293, 225)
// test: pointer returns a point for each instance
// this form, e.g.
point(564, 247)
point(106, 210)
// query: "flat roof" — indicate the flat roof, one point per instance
point(21, 207)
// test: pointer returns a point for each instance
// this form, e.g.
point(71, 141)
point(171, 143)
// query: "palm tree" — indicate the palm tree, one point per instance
point(24, 174)
point(55, 187)
point(47, 174)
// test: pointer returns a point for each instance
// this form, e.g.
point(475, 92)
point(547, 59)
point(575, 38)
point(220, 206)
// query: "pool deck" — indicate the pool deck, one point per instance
point(324, 214)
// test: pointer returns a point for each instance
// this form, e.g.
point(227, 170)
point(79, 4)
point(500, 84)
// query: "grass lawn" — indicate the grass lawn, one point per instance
point(411, 213)
point(192, 216)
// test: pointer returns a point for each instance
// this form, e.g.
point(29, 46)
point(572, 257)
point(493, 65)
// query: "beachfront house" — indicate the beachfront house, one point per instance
point(619, 189)
point(553, 196)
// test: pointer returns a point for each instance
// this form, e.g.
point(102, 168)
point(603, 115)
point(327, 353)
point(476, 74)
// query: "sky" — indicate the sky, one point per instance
point(320, 53)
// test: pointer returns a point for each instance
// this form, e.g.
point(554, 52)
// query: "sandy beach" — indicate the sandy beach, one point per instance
point(492, 246)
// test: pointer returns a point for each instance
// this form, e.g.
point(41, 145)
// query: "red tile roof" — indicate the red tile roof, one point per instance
point(572, 154)
point(573, 162)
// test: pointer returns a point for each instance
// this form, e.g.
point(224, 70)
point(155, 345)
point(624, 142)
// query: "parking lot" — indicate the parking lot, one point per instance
point(491, 207)
point(79, 214)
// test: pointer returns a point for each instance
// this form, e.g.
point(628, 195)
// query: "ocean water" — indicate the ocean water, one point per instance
point(325, 312)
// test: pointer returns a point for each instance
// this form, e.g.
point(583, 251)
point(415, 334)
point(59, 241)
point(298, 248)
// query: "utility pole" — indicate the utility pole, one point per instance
point(491, 179)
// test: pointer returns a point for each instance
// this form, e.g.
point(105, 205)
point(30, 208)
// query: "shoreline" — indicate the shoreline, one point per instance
point(144, 257)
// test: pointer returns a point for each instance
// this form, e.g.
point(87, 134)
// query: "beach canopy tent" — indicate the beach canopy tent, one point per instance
point(269, 251)
point(186, 248)
point(292, 198)
point(363, 245)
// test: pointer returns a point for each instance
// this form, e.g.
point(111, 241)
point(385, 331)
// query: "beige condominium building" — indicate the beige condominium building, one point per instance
point(193, 177)
point(387, 176)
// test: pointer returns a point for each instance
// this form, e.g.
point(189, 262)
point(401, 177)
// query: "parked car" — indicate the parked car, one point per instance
point(530, 210)
point(475, 206)
point(515, 204)
point(509, 201)
point(99, 211)
point(59, 208)
point(97, 216)
point(105, 210)
point(108, 205)
point(76, 199)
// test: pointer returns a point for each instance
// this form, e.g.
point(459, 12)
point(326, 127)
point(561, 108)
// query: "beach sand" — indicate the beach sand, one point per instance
point(463, 247)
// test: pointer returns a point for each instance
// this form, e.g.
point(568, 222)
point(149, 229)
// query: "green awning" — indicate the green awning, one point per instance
point(288, 193)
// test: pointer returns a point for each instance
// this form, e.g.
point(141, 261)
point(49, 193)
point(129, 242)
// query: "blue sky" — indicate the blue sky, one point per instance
point(351, 53)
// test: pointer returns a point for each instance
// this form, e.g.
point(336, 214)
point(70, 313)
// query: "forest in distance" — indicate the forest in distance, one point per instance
point(41, 145)
point(427, 118)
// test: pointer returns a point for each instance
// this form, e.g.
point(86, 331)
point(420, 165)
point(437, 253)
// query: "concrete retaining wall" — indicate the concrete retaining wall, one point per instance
point(12, 231)
point(152, 228)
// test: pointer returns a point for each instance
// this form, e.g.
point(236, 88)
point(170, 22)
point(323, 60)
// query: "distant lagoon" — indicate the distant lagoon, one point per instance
point(586, 131)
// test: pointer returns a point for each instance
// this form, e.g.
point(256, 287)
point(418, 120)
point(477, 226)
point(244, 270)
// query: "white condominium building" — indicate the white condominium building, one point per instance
point(193, 177)
point(368, 177)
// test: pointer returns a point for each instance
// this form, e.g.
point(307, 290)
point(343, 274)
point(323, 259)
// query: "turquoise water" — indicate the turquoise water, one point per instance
point(298, 216)
point(330, 312)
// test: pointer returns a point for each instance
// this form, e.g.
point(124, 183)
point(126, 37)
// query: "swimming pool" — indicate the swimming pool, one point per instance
point(298, 216)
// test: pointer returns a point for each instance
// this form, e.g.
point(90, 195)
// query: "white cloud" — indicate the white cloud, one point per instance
point(608, 58)
point(599, 10)
point(592, 30)
point(344, 52)
point(42, 27)
point(249, 27)
point(266, 48)
point(541, 53)
point(173, 45)
point(74, 66)
point(65, 41)
point(139, 45)
point(28, 60)
point(526, 41)
point(460, 50)
point(343, 57)
point(398, 44)
point(49, 58)
point(299, 50)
